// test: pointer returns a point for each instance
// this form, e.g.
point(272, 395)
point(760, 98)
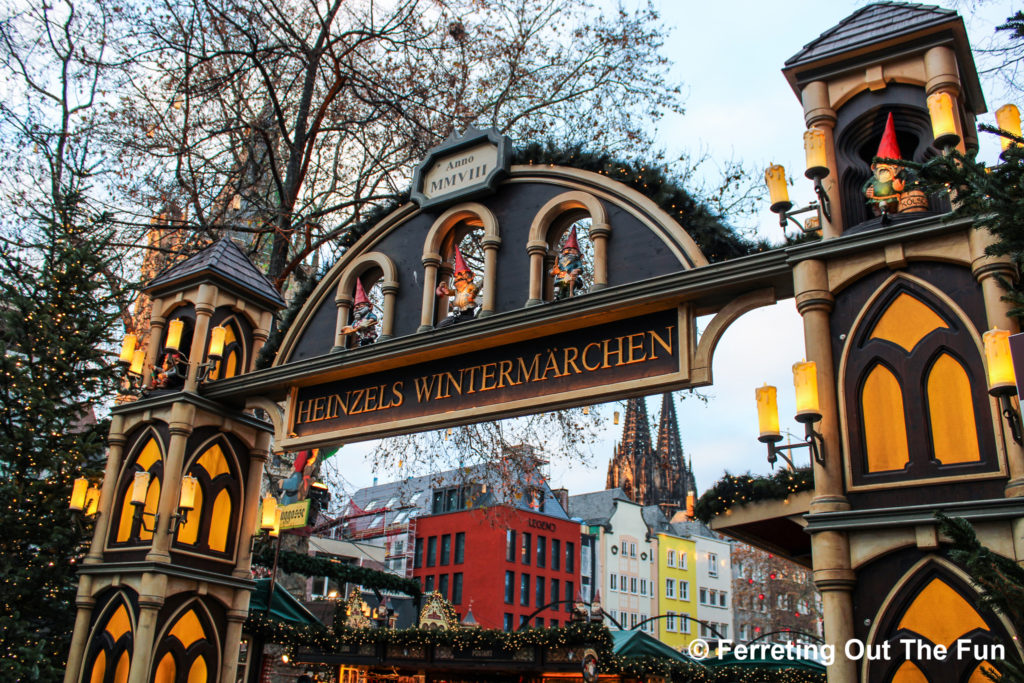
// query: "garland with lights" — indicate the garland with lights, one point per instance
point(692, 672)
point(296, 563)
point(732, 490)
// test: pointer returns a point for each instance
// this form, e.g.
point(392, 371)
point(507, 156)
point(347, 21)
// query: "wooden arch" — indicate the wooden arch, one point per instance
point(347, 284)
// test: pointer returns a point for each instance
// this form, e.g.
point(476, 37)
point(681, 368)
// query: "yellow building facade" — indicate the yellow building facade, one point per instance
point(677, 590)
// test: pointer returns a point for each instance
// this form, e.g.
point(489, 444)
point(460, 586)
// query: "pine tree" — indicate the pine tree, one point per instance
point(56, 320)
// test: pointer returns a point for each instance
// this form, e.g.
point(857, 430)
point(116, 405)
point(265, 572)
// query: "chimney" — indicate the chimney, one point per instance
point(562, 495)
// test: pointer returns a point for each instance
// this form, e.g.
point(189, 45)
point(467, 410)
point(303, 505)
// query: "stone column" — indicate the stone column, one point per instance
point(537, 249)
point(156, 334)
point(182, 419)
point(233, 636)
point(490, 244)
point(151, 599)
point(115, 453)
point(818, 113)
point(344, 304)
point(257, 459)
point(260, 334)
point(197, 354)
point(599, 234)
point(814, 301)
point(835, 581)
point(389, 288)
point(80, 638)
point(430, 265)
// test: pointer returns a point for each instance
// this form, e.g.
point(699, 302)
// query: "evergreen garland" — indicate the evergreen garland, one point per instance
point(296, 563)
point(732, 490)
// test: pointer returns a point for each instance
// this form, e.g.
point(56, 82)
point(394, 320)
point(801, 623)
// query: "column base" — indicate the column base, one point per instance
point(424, 328)
point(533, 302)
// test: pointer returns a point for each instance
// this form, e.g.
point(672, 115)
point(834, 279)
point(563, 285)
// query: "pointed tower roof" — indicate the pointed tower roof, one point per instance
point(225, 264)
point(670, 446)
point(879, 30)
point(631, 467)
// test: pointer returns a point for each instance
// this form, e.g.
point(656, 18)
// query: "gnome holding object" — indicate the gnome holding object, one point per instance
point(464, 294)
point(891, 188)
point(568, 270)
point(364, 320)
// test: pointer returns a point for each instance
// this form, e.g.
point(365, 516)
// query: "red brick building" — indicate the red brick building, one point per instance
point(504, 562)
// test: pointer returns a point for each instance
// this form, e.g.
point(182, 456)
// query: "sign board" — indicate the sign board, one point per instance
point(634, 355)
point(295, 516)
point(461, 168)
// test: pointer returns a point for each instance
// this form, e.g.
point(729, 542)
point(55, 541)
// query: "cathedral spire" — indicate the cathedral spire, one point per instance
point(632, 466)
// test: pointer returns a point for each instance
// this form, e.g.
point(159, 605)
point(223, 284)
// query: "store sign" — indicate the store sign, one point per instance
point(461, 168)
point(295, 516)
point(635, 355)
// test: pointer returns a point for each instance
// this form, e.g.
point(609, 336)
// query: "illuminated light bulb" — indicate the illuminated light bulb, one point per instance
point(767, 413)
point(140, 486)
point(217, 335)
point(174, 330)
point(814, 150)
point(1002, 379)
point(805, 380)
point(1008, 119)
point(268, 512)
point(775, 177)
point(78, 490)
point(187, 499)
point(940, 109)
point(128, 348)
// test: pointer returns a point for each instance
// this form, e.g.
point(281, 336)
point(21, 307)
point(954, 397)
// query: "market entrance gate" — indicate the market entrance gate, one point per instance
point(406, 333)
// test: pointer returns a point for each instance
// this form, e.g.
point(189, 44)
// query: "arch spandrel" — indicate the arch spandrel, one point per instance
point(643, 242)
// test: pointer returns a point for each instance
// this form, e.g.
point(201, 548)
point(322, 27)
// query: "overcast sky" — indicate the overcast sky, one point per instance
point(738, 105)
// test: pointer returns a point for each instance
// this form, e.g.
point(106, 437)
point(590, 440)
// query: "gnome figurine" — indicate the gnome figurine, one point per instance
point(890, 189)
point(464, 294)
point(568, 270)
point(364, 320)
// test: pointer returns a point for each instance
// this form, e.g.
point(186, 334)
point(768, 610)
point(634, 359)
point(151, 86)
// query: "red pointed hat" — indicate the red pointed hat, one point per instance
point(460, 265)
point(571, 243)
point(361, 297)
point(888, 148)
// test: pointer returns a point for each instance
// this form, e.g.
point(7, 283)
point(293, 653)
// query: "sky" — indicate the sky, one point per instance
point(729, 55)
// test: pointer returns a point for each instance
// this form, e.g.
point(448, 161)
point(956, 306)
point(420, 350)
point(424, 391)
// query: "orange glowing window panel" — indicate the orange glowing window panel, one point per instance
point(906, 322)
point(165, 672)
point(220, 522)
point(214, 462)
point(149, 456)
point(978, 675)
point(188, 630)
point(99, 667)
point(941, 615)
point(951, 412)
point(197, 673)
point(124, 665)
point(119, 623)
point(885, 424)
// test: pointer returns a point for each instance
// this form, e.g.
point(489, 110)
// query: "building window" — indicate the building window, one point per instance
point(554, 623)
point(524, 590)
point(524, 555)
point(744, 629)
point(670, 558)
point(570, 557)
point(457, 588)
point(713, 597)
point(508, 621)
point(510, 545)
point(556, 554)
point(522, 620)
point(555, 592)
point(510, 587)
point(539, 588)
point(703, 596)
point(432, 551)
point(418, 561)
point(632, 549)
point(632, 620)
point(428, 586)
point(542, 551)
point(632, 585)
point(442, 585)
point(625, 548)
point(643, 586)
point(539, 622)
point(446, 549)
point(712, 564)
point(682, 562)
point(670, 588)
point(568, 596)
point(614, 579)
point(684, 590)
point(685, 624)
point(644, 626)
point(460, 547)
point(722, 599)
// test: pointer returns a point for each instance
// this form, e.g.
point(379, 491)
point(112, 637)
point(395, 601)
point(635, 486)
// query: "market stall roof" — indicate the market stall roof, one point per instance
point(285, 607)
point(640, 644)
point(767, 663)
